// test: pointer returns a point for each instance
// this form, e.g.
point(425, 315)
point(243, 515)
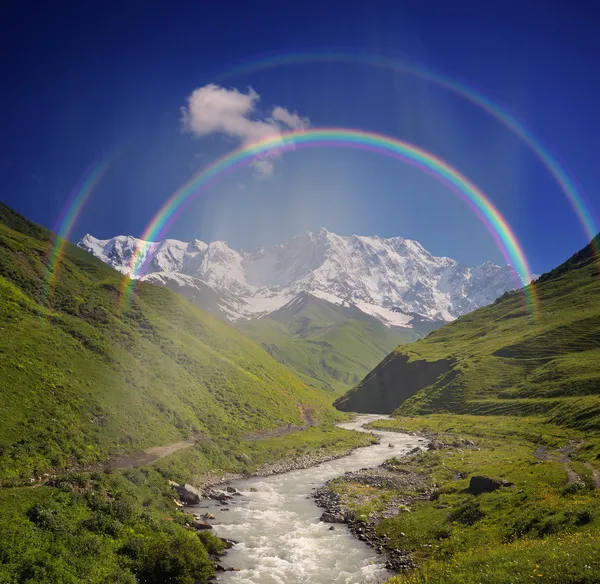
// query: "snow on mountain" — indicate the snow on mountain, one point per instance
point(392, 279)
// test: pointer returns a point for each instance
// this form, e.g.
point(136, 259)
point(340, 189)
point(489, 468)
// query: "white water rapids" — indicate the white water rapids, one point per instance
point(281, 538)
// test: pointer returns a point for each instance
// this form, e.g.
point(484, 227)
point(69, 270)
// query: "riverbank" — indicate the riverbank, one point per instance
point(276, 521)
point(494, 499)
point(116, 524)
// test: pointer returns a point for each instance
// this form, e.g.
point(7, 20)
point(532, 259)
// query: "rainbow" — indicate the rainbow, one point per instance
point(68, 216)
point(575, 196)
point(345, 138)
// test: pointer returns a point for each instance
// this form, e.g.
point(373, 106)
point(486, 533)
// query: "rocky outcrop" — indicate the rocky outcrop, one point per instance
point(188, 495)
point(481, 484)
point(391, 383)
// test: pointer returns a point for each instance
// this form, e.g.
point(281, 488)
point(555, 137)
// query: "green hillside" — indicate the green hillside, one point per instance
point(515, 401)
point(81, 382)
point(328, 346)
point(501, 360)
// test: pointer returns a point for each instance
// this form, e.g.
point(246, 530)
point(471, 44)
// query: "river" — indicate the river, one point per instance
point(277, 524)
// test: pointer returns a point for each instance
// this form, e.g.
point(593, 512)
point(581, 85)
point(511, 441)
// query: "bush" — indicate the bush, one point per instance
point(178, 558)
point(48, 516)
point(468, 513)
point(212, 543)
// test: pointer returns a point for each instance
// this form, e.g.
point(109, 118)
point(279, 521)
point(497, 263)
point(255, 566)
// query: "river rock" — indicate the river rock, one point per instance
point(328, 517)
point(201, 525)
point(481, 484)
point(218, 495)
point(434, 445)
point(231, 490)
point(189, 495)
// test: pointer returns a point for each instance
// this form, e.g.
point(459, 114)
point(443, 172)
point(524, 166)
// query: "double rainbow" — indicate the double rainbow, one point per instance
point(68, 216)
point(575, 196)
point(345, 138)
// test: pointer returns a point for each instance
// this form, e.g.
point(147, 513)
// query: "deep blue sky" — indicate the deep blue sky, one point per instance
point(81, 80)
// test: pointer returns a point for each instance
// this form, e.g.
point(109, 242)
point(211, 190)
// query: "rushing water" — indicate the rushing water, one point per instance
point(281, 538)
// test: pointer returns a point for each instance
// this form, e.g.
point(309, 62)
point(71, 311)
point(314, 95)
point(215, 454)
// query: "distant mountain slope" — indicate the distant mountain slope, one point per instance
point(80, 381)
point(328, 346)
point(391, 279)
point(498, 360)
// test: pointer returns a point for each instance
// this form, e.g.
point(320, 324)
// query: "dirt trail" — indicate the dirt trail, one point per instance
point(564, 456)
point(595, 474)
point(283, 430)
point(150, 455)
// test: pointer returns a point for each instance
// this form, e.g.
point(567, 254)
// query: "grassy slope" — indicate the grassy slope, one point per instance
point(542, 528)
point(505, 362)
point(329, 347)
point(79, 381)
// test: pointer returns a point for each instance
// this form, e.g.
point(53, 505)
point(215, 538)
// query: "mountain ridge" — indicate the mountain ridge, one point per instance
point(395, 280)
point(499, 360)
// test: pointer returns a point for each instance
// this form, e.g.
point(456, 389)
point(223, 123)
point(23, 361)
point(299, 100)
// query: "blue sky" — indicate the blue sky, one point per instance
point(83, 81)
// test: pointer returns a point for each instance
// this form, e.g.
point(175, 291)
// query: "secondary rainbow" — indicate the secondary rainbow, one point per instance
point(575, 195)
point(68, 216)
point(345, 138)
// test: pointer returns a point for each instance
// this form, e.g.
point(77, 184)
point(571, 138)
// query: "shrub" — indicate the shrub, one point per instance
point(48, 516)
point(178, 558)
point(468, 513)
point(212, 543)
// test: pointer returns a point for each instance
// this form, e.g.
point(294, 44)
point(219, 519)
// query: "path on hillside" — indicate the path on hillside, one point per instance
point(149, 455)
point(564, 457)
point(309, 421)
point(595, 474)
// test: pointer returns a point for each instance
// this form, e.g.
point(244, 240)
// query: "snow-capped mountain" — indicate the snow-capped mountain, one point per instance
point(395, 280)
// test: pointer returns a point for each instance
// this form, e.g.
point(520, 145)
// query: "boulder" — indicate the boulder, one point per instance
point(390, 445)
point(434, 445)
point(506, 483)
point(231, 490)
point(481, 484)
point(200, 524)
point(328, 517)
point(208, 516)
point(189, 495)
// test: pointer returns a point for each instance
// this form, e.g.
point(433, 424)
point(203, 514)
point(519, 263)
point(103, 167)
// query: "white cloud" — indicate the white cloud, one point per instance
point(291, 120)
point(216, 110)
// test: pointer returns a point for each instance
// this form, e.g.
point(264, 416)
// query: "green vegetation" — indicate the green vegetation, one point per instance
point(101, 528)
point(543, 527)
point(329, 347)
point(82, 381)
point(500, 360)
point(514, 398)
point(123, 526)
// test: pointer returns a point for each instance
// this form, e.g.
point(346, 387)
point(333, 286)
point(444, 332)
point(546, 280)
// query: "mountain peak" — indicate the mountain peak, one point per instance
point(381, 276)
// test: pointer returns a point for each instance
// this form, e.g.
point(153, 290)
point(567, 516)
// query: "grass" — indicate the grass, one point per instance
point(541, 522)
point(81, 381)
point(503, 361)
